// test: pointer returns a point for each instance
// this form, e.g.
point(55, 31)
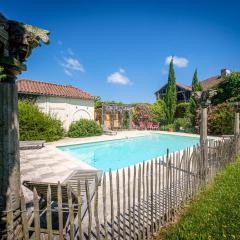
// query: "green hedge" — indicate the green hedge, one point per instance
point(35, 125)
point(182, 110)
point(84, 128)
point(215, 213)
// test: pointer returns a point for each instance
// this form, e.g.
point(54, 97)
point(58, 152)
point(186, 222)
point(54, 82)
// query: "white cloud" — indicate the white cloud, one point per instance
point(67, 72)
point(69, 62)
point(180, 62)
point(118, 78)
point(72, 64)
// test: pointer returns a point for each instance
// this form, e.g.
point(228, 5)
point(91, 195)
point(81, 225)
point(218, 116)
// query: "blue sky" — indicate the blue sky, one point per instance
point(118, 49)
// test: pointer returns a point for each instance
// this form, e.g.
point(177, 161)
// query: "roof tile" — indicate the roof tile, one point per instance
point(42, 88)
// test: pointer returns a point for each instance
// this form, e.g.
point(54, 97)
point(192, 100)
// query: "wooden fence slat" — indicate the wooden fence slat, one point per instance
point(156, 192)
point(24, 216)
point(129, 202)
point(10, 226)
point(71, 215)
point(174, 183)
point(124, 204)
point(139, 201)
point(89, 209)
point(79, 200)
point(170, 187)
point(144, 199)
point(36, 215)
point(60, 213)
point(134, 201)
point(151, 195)
point(49, 213)
point(159, 194)
point(96, 209)
point(104, 207)
point(167, 185)
point(163, 188)
point(118, 205)
point(147, 199)
point(112, 207)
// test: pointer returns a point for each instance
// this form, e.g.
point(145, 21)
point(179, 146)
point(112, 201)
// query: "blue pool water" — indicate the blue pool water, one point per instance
point(117, 154)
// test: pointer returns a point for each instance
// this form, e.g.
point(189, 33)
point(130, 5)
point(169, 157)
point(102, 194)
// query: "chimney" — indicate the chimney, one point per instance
point(225, 72)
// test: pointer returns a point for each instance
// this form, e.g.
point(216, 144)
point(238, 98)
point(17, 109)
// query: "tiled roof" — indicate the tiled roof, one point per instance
point(211, 82)
point(188, 88)
point(42, 88)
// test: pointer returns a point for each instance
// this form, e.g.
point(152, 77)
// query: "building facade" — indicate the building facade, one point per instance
point(66, 103)
point(184, 91)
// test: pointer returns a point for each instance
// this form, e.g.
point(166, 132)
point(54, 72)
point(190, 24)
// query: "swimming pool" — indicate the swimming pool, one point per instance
point(116, 154)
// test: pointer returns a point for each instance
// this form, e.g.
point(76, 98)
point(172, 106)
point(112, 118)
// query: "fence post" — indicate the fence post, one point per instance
point(236, 126)
point(204, 99)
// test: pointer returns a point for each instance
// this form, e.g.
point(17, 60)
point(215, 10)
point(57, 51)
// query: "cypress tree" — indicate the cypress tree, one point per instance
point(171, 94)
point(196, 86)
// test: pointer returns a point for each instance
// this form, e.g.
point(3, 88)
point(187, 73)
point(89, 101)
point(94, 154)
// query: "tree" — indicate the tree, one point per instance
point(159, 110)
point(228, 89)
point(196, 86)
point(171, 94)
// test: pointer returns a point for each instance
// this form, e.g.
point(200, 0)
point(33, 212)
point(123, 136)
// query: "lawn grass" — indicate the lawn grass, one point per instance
point(214, 214)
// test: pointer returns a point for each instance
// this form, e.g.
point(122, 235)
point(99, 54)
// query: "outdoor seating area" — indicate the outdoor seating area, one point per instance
point(79, 188)
point(25, 145)
point(147, 126)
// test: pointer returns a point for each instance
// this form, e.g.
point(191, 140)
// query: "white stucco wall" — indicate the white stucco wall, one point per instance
point(66, 109)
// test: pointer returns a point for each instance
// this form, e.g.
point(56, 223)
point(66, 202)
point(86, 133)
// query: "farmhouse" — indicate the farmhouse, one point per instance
point(184, 91)
point(64, 102)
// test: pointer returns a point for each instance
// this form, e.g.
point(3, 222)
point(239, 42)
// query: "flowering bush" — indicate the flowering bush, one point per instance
point(143, 113)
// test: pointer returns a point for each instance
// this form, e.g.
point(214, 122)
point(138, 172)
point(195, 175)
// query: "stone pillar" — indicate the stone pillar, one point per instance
point(203, 137)
point(16, 43)
point(122, 116)
point(103, 115)
point(130, 119)
point(204, 100)
point(236, 127)
point(9, 149)
point(112, 119)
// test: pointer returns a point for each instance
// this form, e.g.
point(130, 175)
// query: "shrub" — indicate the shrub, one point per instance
point(184, 124)
point(84, 128)
point(143, 113)
point(36, 125)
point(220, 119)
point(167, 127)
point(182, 110)
point(180, 124)
point(159, 110)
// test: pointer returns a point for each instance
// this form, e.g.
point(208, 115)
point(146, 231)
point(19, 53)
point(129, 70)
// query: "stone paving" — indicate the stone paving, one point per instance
point(50, 164)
